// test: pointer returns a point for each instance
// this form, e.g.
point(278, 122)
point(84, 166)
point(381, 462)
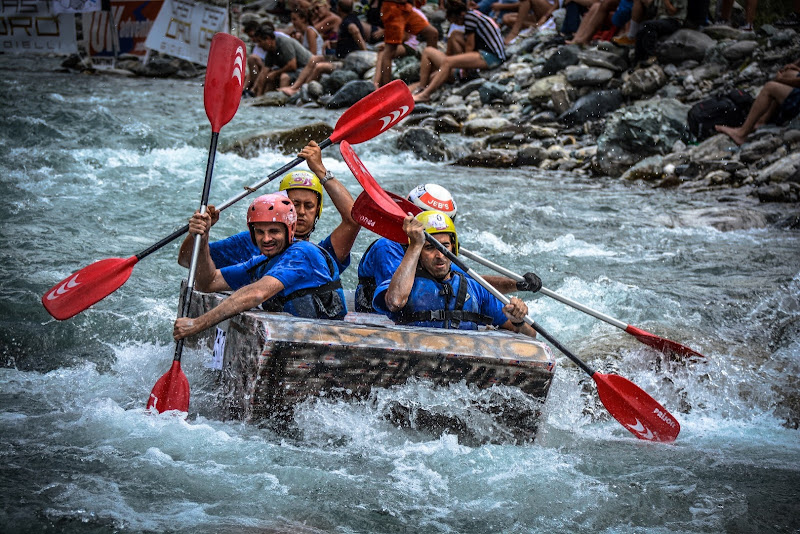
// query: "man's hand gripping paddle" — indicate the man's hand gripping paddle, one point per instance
point(637, 411)
point(367, 118)
point(222, 94)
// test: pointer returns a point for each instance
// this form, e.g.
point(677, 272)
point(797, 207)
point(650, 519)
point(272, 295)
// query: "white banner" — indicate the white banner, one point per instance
point(29, 26)
point(184, 29)
point(75, 6)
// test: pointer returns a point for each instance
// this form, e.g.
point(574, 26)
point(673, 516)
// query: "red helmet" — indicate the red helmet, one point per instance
point(273, 208)
point(434, 197)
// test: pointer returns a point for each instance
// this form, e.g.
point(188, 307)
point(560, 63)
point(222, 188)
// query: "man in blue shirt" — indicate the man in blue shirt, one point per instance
point(383, 256)
point(425, 291)
point(296, 277)
point(305, 191)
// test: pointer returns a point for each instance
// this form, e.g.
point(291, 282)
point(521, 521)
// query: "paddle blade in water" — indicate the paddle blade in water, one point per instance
point(171, 392)
point(661, 344)
point(374, 114)
point(637, 411)
point(227, 61)
point(80, 290)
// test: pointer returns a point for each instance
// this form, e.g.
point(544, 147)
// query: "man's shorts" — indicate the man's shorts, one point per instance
point(789, 108)
point(491, 60)
point(399, 19)
point(623, 13)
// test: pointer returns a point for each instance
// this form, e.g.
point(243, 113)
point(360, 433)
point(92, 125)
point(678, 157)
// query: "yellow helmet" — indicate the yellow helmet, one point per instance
point(436, 222)
point(303, 180)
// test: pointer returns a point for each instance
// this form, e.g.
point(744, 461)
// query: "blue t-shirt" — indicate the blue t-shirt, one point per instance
point(239, 248)
point(426, 295)
point(381, 260)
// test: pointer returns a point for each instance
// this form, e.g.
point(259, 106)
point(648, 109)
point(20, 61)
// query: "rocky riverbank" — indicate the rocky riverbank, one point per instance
point(588, 110)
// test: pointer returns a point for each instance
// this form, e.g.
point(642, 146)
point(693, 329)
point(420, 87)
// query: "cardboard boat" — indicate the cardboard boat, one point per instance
point(270, 362)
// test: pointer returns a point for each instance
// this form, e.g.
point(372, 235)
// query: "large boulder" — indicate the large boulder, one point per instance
point(424, 143)
point(337, 79)
point(289, 141)
point(644, 82)
point(562, 58)
point(684, 44)
point(542, 88)
point(495, 158)
point(351, 93)
point(485, 126)
point(592, 107)
point(360, 61)
point(591, 76)
point(643, 129)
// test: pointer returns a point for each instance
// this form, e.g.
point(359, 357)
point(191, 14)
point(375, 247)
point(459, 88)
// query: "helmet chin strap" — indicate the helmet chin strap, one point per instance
point(306, 237)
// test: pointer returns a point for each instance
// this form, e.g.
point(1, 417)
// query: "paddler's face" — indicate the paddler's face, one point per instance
point(270, 237)
point(305, 203)
point(434, 261)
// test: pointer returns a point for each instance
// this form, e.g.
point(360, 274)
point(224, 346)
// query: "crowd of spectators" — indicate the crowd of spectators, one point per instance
point(314, 36)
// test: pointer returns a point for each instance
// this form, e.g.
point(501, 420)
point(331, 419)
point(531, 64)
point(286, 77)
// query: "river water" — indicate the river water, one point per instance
point(96, 167)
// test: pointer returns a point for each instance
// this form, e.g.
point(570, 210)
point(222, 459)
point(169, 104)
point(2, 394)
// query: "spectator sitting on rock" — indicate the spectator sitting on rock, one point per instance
point(255, 59)
point(285, 56)
point(325, 21)
point(779, 100)
point(400, 18)
point(574, 13)
point(309, 37)
point(595, 19)
point(669, 17)
point(351, 37)
point(483, 49)
point(529, 14)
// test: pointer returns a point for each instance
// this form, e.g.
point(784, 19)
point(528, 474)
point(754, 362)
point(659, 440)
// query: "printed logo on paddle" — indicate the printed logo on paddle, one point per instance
point(63, 288)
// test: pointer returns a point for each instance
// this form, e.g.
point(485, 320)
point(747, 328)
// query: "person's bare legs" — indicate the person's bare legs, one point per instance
point(383, 69)
point(521, 15)
point(446, 64)
point(306, 75)
point(254, 66)
point(430, 35)
point(769, 98)
point(456, 43)
point(592, 21)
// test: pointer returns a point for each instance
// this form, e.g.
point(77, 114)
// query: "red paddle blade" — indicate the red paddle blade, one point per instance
point(637, 411)
point(381, 199)
point(661, 344)
point(366, 213)
point(224, 79)
point(383, 109)
point(171, 392)
point(80, 290)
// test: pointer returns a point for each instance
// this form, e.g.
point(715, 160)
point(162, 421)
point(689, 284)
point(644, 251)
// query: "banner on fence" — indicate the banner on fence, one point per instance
point(134, 18)
point(30, 26)
point(184, 29)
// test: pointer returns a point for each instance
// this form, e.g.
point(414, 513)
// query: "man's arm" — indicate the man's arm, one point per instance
point(243, 299)
point(208, 277)
point(187, 247)
point(344, 235)
point(469, 42)
point(357, 37)
point(516, 310)
point(399, 289)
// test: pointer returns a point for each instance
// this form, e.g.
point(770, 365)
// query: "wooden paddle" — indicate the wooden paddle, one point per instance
point(367, 118)
point(637, 411)
point(222, 94)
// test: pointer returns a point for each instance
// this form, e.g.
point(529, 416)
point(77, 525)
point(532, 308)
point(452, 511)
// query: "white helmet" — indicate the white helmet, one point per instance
point(434, 197)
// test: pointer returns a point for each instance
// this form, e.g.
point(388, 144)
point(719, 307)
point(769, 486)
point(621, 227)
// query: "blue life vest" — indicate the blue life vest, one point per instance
point(322, 302)
point(433, 303)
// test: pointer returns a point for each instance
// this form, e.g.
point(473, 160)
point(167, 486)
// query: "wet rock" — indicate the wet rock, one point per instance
point(644, 82)
point(592, 106)
point(360, 61)
point(739, 50)
point(785, 192)
point(270, 99)
point(481, 126)
point(758, 149)
point(493, 158)
point(424, 143)
point(784, 170)
point(288, 141)
point(684, 44)
point(606, 60)
point(408, 70)
point(649, 169)
point(562, 58)
point(337, 79)
point(633, 133)
point(540, 91)
point(442, 124)
point(530, 155)
point(490, 91)
point(349, 94)
point(724, 219)
point(591, 76)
